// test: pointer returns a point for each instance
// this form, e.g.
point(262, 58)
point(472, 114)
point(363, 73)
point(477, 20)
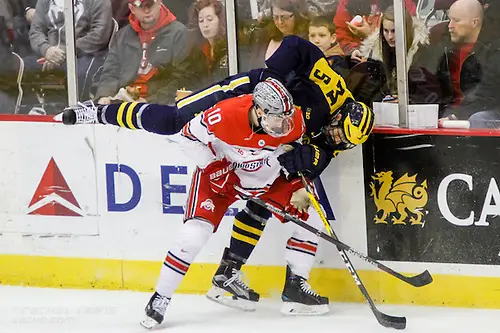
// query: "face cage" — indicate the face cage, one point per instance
point(335, 129)
point(277, 126)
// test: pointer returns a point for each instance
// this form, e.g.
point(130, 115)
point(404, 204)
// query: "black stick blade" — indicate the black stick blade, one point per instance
point(419, 280)
point(398, 323)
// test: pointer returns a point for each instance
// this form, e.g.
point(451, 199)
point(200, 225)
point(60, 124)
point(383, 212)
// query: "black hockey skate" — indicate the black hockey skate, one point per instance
point(299, 299)
point(228, 279)
point(155, 310)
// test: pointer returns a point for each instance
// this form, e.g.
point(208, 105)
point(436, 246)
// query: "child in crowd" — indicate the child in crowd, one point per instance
point(322, 34)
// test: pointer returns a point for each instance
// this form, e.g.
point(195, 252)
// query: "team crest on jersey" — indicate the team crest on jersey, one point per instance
point(208, 205)
point(252, 166)
point(261, 143)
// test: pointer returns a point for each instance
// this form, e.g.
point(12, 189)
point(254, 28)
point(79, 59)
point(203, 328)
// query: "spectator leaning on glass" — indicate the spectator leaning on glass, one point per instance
point(152, 40)
point(351, 32)
point(93, 29)
point(289, 17)
point(469, 70)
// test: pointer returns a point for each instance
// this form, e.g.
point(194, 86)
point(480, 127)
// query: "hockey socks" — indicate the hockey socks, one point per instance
point(247, 229)
point(161, 119)
point(193, 235)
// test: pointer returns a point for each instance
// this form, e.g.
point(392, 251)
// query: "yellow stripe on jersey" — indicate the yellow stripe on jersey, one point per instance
point(247, 228)
point(230, 86)
point(119, 115)
point(129, 113)
point(244, 238)
point(332, 85)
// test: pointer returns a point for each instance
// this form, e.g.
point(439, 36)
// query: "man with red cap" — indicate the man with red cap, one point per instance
point(152, 40)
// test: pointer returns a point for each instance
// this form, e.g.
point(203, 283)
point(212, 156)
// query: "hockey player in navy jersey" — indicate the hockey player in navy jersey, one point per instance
point(334, 122)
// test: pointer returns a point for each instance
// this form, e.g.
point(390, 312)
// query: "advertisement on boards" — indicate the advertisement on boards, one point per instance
point(169, 188)
point(71, 187)
point(48, 181)
point(433, 198)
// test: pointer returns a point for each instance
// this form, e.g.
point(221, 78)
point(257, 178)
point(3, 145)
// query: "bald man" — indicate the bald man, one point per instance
point(469, 68)
point(466, 20)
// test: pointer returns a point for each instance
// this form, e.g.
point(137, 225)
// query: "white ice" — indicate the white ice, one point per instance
point(33, 310)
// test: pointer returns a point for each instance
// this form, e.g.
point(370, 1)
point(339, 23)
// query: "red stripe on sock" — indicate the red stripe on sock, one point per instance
point(304, 246)
point(176, 264)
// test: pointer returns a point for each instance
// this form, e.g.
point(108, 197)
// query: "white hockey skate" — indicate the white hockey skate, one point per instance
point(82, 113)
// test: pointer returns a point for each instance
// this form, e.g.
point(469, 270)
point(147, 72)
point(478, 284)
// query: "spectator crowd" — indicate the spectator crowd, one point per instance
point(158, 51)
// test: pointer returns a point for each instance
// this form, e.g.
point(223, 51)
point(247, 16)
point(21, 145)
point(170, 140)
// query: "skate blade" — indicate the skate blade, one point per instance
point(217, 295)
point(149, 323)
point(297, 309)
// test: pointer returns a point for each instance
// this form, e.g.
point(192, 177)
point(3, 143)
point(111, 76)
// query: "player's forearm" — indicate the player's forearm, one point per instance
point(155, 118)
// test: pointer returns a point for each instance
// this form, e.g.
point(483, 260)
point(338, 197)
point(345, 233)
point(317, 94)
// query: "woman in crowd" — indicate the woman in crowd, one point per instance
point(208, 23)
point(288, 17)
point(207, 61)
point(380, 48)
point(349, 33)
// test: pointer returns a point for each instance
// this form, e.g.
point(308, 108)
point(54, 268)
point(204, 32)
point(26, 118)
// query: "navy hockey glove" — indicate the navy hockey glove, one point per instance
point(308, 159)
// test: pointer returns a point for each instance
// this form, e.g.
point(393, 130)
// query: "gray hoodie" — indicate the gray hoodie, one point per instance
point(93, 25)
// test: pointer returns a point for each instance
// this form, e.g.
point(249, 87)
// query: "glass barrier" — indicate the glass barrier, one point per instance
point(350, 33)
point(369, 44)
point(143, 50)
point(33, 68)
point(453, 58)
point(166, 49)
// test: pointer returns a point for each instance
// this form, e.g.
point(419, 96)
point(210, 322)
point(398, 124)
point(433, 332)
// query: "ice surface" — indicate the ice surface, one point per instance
point(36, 310)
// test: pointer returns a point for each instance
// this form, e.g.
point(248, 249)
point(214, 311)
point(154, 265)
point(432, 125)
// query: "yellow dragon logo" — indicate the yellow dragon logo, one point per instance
point(403, 196)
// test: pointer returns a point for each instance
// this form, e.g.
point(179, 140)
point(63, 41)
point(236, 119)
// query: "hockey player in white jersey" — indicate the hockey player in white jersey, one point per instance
point(237, 142)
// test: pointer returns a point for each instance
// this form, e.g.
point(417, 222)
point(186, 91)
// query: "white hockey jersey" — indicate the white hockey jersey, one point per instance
point(223, 131)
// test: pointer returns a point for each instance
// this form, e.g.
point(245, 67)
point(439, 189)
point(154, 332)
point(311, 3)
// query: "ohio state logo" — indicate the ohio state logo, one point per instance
point(208, 205)
point(252, 166)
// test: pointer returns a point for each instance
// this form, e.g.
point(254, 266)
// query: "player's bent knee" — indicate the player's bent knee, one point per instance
point(194, 234)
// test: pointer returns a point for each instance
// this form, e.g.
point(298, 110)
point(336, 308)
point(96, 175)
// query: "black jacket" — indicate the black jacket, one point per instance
point(479, 78)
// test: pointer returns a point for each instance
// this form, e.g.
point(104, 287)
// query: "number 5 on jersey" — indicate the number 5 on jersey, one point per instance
point(332, 85)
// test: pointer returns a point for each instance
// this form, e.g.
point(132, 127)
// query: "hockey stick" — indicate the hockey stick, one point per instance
point(419, 280)
point(382, 318)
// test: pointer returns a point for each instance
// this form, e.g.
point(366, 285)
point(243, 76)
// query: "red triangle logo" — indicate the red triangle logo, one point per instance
point(53, 182)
